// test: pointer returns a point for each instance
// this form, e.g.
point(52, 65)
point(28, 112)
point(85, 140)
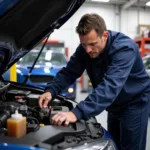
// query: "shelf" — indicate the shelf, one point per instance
point(139, 40)
point(141, 44)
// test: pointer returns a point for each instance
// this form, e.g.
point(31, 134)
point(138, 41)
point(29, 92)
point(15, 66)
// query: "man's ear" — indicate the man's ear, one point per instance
point(105, 34)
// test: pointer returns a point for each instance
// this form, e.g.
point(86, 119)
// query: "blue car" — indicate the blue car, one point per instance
point(23, 25)
point(45, 69)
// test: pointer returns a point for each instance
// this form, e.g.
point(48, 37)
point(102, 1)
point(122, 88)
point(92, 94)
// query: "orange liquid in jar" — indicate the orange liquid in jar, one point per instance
point(16, 128)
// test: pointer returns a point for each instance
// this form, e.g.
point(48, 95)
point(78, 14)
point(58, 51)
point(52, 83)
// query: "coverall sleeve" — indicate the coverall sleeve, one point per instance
point(106, 92)
point(67, 75)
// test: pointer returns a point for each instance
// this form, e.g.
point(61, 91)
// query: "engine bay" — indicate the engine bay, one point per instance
point(40, 131)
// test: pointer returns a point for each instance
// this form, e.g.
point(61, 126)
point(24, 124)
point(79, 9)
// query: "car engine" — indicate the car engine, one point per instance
point(40, 131)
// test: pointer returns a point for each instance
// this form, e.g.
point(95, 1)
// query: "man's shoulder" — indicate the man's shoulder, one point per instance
point(118, 36)
point(120, 40)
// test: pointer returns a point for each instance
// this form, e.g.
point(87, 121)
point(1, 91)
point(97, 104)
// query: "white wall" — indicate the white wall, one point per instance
point(129, 20)
point(125, 21)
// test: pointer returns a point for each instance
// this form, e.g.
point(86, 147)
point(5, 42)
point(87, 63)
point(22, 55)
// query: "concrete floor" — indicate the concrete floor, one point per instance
point(102, 118)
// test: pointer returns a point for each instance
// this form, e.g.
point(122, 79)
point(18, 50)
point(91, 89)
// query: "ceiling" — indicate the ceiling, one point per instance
point(125, 3)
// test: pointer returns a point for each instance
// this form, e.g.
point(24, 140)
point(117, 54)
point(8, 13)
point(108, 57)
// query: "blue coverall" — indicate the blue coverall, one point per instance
point(121, 86)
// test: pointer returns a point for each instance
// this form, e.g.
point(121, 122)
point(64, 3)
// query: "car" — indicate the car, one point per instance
point(146, 61)
point(45, 69)
point(24, 24)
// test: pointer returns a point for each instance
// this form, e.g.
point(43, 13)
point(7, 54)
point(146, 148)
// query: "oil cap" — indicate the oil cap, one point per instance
point(16, 115)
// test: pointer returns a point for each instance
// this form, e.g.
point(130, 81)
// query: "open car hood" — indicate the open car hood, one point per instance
point(23, 24)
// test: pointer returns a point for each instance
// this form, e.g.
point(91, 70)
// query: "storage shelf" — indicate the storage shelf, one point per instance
point(141, 44)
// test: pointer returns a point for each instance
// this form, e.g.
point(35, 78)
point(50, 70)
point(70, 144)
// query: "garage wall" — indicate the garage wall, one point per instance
point(129, 20)
point(124, 20)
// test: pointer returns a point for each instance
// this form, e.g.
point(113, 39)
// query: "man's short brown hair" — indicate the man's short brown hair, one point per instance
point(89, 22)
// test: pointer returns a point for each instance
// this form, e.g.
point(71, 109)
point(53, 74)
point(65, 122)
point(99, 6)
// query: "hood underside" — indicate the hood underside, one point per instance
point(25, 23)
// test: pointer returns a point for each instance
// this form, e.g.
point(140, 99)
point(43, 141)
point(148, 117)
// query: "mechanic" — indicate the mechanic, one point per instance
point(121, 84)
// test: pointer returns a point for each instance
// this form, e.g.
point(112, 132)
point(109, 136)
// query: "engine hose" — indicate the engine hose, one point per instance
point(33, 127)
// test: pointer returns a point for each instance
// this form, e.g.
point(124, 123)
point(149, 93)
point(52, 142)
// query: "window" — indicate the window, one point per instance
point(46, 57)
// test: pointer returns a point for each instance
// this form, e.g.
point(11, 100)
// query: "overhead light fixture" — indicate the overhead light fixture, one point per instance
point(148, 3)
point(105, 1)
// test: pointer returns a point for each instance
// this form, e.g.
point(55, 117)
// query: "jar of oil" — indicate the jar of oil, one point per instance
point(16, 125)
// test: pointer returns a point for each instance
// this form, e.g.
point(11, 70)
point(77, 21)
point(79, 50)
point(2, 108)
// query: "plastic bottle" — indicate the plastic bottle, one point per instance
point(16, 125)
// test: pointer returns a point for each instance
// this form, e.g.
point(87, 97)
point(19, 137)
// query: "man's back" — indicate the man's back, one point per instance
point(136, 82)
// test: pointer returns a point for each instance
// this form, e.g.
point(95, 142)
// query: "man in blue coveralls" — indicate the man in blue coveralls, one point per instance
point(121, 84)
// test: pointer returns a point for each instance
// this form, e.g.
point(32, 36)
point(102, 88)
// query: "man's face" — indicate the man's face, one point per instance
point(94, 44)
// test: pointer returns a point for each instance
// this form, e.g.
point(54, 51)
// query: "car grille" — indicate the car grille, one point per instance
point(40, 79)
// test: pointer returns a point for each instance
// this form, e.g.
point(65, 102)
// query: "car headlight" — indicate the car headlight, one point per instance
point(70, 90)
point(19, 71)
point(103, 144)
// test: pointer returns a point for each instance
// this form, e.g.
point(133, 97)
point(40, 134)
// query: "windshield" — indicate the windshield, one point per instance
point(50, 45)
point(46, 58)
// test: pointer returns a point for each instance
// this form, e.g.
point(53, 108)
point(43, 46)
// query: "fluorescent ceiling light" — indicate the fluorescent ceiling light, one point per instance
point(148, 3)
point(100, 0)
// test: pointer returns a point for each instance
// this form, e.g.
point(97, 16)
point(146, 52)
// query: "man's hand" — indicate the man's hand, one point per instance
point(44, 99)
point(66, 117)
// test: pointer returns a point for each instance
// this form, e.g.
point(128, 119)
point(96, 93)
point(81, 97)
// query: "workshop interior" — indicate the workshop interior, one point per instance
point(37, 40)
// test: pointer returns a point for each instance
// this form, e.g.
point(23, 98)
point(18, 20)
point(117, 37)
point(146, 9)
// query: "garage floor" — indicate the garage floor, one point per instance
point(102, 118)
